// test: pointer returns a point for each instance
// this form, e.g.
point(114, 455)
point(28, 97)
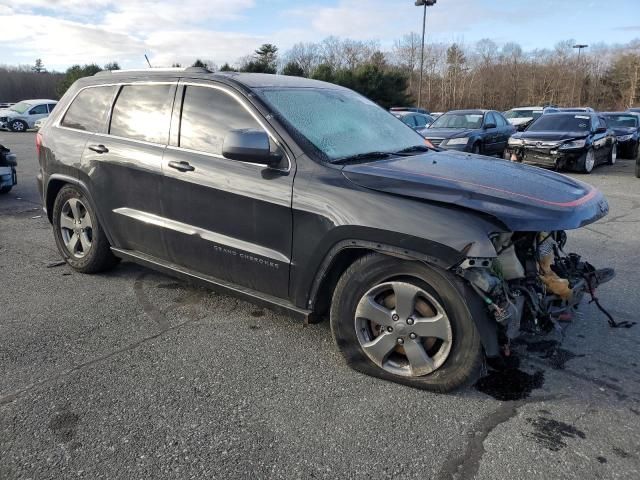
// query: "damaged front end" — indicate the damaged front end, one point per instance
point(532, 284)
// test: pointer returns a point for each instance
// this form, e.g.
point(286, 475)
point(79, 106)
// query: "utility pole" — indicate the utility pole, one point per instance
point(579, 47)
point(425, 4)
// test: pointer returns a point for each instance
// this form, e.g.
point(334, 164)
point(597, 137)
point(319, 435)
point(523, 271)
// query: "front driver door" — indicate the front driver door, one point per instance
point(36, 113)
point(225, 218)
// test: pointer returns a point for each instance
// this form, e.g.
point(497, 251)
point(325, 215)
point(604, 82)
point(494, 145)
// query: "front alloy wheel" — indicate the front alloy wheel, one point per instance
point(613, 156)
point(589, 161)
point(407, 322)
point(403, 329)
point(18, 126)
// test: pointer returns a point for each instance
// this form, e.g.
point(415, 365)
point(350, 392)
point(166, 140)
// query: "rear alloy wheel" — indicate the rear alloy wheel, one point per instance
point(589, 161)
point(613, 156)
point(18, 126)
point(79, 236)
point(405, 322)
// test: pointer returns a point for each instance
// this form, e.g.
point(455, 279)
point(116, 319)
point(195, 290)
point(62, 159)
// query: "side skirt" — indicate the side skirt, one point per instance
point(219, 286)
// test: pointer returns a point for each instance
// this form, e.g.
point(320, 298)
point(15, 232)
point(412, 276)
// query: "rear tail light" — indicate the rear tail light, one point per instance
point(38, 142)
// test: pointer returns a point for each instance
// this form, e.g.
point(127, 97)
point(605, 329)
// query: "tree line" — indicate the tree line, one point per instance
point(455, 75)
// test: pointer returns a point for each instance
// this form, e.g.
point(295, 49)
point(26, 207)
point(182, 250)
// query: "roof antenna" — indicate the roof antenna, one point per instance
point(147, 59)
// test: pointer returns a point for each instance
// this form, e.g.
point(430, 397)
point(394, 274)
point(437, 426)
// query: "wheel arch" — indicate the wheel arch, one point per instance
point(57, 182)
point(343, 254)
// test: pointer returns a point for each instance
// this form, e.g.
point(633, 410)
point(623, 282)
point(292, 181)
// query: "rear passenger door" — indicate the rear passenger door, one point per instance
point(124, 166)
point(225, 218)
point(505, 129)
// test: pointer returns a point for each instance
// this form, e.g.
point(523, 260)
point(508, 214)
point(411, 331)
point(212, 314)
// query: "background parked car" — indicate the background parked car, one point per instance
point(626, 126)
point(418, 121)
point(476, 131)
point(8, 177)
point(409, 109)
point(4, 105)
point(576, 109)
point(23, 115)
point(634, 109)
point(521, 117)
point(579, 141)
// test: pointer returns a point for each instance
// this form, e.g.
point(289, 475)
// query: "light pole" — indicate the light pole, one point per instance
point(425, 4)
point(579, 46)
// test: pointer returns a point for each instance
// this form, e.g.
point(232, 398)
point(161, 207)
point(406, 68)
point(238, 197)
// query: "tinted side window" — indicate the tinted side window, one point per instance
point(489, 118)
point(501, 122)
point(207, 115)
point(39, 110)
point(89, 110)
point(143, 112)
point(51, 106)
point(603, 122)
point(421, 120)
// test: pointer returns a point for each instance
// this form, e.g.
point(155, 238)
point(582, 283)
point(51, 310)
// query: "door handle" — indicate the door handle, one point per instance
point(182, 166)
point(98, 148)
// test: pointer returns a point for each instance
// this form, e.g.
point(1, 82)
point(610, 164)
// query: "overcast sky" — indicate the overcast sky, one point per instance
point(64, 32)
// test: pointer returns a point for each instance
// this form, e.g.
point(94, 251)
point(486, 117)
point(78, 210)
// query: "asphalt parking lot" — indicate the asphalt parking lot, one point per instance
point(133, 374)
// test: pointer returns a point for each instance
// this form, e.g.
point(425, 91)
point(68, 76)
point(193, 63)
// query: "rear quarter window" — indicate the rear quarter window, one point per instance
point(143, 112)
point(89, 109)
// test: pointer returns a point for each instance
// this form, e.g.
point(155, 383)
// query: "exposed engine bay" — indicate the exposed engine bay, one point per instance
point(532, 284)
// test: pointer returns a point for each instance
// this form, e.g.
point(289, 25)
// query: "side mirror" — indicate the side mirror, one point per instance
point(488, 126)
point(249, 145)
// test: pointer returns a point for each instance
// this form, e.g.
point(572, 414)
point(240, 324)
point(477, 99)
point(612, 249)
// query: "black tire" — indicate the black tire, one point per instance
point(4, 190)
point(97, 258)
point(638, 165)
point(463, 362)
point(476, 149)
point(18, 126)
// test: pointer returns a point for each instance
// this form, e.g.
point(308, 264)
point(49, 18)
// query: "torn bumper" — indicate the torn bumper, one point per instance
point(547, 157)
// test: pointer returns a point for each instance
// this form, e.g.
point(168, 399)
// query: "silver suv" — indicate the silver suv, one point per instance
point(23, 115)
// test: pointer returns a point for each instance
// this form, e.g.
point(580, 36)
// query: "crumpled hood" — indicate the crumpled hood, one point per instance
point(522, 197)
point(551, 136)
point(447, 132)
point(624, 130)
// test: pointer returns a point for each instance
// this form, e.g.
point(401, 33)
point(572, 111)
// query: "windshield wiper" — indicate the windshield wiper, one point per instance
point(362, 156)
point(413, 149)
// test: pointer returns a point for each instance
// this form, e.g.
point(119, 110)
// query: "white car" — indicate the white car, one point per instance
point(23, 115)
point(523, 115)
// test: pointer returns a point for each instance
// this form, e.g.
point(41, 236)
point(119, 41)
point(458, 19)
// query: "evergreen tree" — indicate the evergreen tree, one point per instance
point(293, 69)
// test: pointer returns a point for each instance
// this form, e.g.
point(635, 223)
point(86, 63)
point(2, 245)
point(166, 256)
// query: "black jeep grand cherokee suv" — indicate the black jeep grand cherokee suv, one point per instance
point(309, 198)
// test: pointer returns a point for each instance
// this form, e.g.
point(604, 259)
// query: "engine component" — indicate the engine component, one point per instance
point(507, 261)
point(546, 256)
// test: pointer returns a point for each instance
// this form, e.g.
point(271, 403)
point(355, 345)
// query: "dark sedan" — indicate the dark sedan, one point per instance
point(577, 141)
point(418, 121)
point(626, 126)
point(478, 131)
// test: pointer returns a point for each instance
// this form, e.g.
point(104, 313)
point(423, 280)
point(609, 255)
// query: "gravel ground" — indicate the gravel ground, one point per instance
point(133, 374)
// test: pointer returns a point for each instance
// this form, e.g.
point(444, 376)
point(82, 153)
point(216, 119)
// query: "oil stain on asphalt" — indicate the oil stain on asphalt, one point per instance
point(64, 425)
point(551, 433)
point(510, 384)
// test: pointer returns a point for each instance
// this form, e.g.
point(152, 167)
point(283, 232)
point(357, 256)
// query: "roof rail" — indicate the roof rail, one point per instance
point(147, 70)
